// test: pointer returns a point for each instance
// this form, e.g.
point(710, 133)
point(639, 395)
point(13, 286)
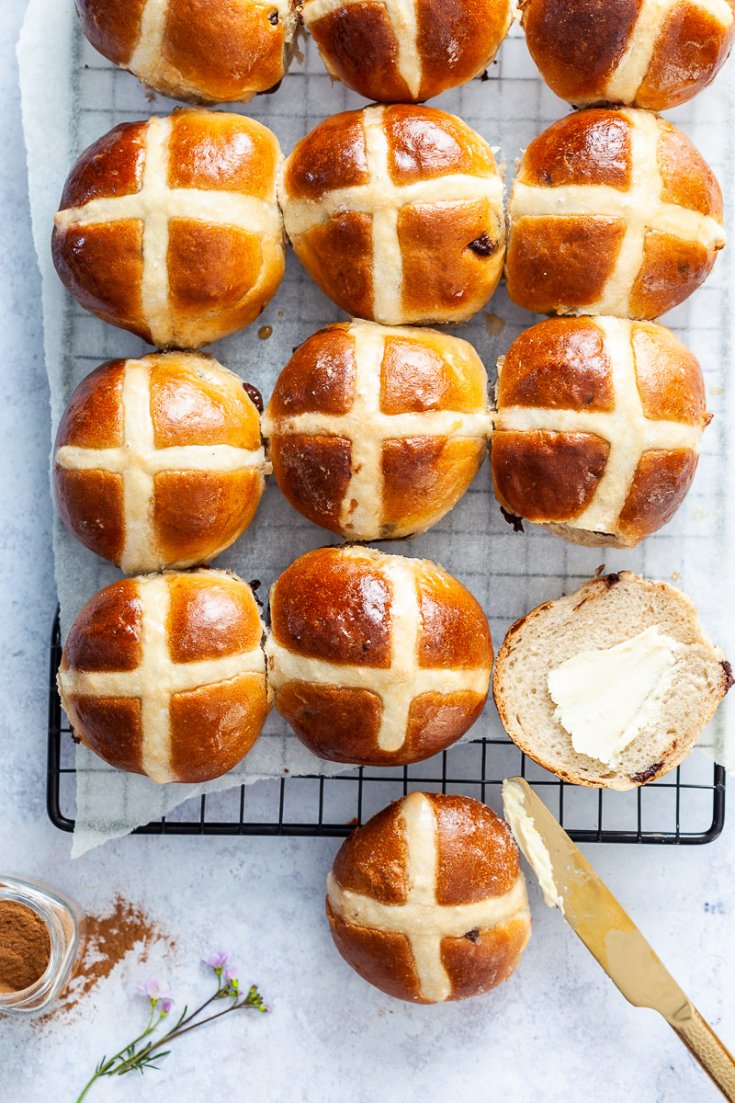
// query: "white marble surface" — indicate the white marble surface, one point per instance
point(557, 1031)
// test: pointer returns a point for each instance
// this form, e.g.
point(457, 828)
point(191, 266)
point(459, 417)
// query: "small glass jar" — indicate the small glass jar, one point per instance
point(64, 921)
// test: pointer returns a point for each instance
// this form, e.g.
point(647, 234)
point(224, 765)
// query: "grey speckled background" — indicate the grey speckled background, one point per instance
point(557, 1031)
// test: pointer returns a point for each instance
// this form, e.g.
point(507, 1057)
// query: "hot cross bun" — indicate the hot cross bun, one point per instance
point(159, 461)
point(170, 227)
point(406, 51)
point(427, 901)
point(164, 675)
point(376, 659)
point(207, 51)
point(611, 212)
point(598, 427)
point(397, 213)
point(638, 52)
point(377, 432)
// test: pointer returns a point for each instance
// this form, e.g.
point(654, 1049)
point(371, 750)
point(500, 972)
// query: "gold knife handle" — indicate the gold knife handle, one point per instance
point(706, 1047)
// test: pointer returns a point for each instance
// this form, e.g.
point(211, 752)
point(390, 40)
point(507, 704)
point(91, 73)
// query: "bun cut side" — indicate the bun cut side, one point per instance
point(603, 614)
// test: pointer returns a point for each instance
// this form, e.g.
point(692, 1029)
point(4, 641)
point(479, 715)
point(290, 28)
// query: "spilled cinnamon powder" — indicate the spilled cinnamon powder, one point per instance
point(107, 939)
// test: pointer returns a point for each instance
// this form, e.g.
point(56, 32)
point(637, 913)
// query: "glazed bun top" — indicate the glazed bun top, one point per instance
point(427, 900)
point(376, 433)
point(170, 227)
point(397, 213)
point(207, 51)
point(159, 461)
point(406, 51)
point(612, 212)
point(598, 428)
point(164, 675)
point(647, 55)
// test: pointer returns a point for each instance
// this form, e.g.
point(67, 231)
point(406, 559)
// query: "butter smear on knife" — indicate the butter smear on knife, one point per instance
point(531, 844)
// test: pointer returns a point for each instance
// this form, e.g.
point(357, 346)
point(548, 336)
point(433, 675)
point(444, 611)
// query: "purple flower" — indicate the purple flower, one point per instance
point(231, 974)
point(218, 960)
point(153, 991)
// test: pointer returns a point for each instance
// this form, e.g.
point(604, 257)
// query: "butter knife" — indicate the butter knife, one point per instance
point(570, 883)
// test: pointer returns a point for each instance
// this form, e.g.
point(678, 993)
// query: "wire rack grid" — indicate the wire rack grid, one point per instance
point(686, 807)
point(509, 573)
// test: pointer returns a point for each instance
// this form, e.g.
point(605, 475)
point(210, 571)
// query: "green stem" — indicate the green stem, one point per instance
point(106, 1069)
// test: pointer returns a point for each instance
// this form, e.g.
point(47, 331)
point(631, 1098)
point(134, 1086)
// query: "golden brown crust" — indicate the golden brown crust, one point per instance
point(220, 274)
point(552, 475)
point(555, 263)
point(313, 473)
point(590, 147)
point(340, 607)
point(212, 614)
point(455, 41)
point(672, 270)
point(382, 958)
point(225, 51)
point(217, 723)
point(192, 515)
point(417, 376)
point(214, 151)
point(571, 260)
point(109, 726)
point(334, 606)
point(659, 486)
point(690, 50)
point(92, 506)
point(560, 364)
point(477, 855)
point(319, 377)
point(424, 143)
point(476, 860)
point(358, 45)
point(332, 155)
point(209, 724)
point(102, 267)
point(337, 256)
point(419, 472)
point(686, 178)
point(334, 722)
point(106, 634)
point(545, 476)
point(112, 28)
point(480, 963)
point(93, 416)
point(444, 272)
point(211, 50)
point(435, 722)
point(417, 478)
point(668, 375)
point(373, 859)
point(451, 245)
point(111, 167)
point(453, 629)
point(579, 44)
point(193, 402)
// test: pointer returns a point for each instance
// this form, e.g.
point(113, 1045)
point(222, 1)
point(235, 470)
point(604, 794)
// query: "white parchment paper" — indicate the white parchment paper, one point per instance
point(71, 96)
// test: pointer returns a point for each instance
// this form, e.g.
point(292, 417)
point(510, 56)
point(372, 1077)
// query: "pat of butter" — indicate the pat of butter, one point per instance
point(531, 845)
point(606, 698)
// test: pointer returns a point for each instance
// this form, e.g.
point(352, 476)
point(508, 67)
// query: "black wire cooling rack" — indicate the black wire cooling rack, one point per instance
point(686, 807)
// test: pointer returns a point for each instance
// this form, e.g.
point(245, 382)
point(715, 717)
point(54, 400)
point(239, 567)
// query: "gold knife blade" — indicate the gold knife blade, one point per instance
point(607, 930)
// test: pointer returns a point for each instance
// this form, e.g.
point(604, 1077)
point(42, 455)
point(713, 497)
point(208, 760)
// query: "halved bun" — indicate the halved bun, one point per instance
point(605, 612)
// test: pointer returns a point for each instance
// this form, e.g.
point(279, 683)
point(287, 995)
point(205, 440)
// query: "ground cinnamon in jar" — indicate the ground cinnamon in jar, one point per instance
point(25, 946)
